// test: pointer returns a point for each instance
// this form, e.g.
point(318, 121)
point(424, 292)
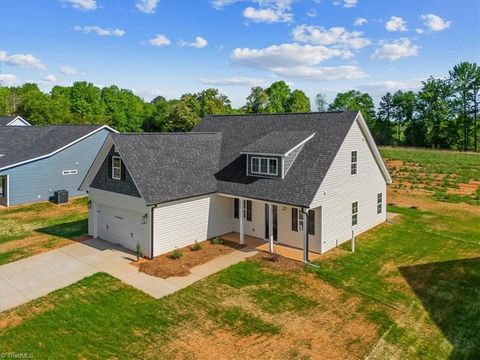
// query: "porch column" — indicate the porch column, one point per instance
point(242, 220)
point(270, 228)
point(305, 235)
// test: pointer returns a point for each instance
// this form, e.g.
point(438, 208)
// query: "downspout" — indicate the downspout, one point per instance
point(151, 230)
point(306, 260)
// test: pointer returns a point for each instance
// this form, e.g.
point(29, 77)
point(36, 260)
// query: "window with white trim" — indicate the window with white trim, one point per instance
point(379, 203)
point(354, 161)
point(116, 168)
point(354, 213)
point(264, 166)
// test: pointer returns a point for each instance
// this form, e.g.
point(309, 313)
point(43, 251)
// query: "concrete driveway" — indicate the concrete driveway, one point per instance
point(33, 277)
point(30, 278)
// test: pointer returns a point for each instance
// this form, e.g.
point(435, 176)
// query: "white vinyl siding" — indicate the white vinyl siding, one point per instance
point(339, 190)
point(292, 238)
point(182, 223)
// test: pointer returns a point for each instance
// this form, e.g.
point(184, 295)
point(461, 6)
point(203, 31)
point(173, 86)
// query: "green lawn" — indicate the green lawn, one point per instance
point(428, 265)
point(30, 229)
point(435, 171)
point(413, 284)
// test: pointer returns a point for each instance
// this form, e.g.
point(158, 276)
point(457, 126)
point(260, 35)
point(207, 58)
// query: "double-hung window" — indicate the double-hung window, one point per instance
point(354, 162)
point(246, 211)
point(297, 221)
point(116, 168)
point(264, 166)
point(379, 203)
point(355, 213)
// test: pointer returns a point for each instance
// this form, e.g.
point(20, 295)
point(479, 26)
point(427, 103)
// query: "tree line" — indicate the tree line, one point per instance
point(443, 114)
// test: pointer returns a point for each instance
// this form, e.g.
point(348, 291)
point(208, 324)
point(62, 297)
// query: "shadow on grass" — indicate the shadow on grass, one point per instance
point(70, 230)
point(450, 292)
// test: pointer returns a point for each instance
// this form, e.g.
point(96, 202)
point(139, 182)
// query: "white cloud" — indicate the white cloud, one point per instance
point(159, 40)
point(198, 43)
point(392, 85)
point(268, 15)
point(68, 70)
point(312, 13)
point(346, 3)
point(147, 6)
point(359, 21)
point(50, 78)
point(396, 23)
point(435, 22)
point(419, 31)
point(84, 5)
point(220, 4)
point(297, 61)
point(335, 36)
point(233, 81)
point(395, 50)
point(22, 60)
point(8, 80)
point(99, 30)
point(267, 11)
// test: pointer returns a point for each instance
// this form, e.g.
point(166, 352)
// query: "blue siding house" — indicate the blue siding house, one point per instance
point(37, 160)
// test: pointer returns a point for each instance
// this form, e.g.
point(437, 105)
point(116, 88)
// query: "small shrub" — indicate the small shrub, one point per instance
point(273, 257)
point(217, 241)
point(176, 254)
point(196, 246)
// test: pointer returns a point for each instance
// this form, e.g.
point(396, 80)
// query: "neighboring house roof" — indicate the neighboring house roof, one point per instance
point(278, 142)
point(304, 177)
point(170, 166)
point(23, 144)
point(7, 120)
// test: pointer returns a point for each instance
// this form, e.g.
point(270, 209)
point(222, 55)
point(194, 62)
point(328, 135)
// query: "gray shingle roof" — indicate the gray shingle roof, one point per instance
point(4, 120)
point(307, 172)
point(171, 166)
point(277, 142)
point(22, 143)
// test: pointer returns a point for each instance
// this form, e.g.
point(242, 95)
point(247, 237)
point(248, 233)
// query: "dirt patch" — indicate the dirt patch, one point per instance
point(409, 198)
point(14, 317)
point(282, 263)
point(334, 329)
point(164, 266)
point(466, 189)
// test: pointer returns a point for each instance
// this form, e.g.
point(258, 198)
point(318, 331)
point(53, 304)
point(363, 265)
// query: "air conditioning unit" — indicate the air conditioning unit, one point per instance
point(60, 197)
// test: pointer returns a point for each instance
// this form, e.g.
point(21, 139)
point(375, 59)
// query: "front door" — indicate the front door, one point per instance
point(267, 233)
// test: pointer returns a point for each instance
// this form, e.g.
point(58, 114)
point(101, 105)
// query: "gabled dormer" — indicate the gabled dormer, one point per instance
point(273, 154)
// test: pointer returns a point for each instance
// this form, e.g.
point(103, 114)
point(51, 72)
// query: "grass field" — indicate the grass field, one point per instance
point(31, 229)
point(411, 290)
point(448, 176)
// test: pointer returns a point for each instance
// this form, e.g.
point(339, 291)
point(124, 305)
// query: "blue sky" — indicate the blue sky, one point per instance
point(170, 47)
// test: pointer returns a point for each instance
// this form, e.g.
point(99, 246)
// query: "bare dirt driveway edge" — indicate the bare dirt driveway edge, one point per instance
point(36, 276)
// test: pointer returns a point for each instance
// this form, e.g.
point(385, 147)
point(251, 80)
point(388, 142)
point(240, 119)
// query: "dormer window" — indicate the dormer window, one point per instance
point(264, 166)
point(116, 168)
point(273, 154)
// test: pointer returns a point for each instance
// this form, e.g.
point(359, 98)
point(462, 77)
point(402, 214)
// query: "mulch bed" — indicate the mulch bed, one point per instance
point(164, 266)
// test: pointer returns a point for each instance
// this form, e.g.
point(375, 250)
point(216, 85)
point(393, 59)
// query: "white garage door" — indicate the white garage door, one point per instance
point(120, 227)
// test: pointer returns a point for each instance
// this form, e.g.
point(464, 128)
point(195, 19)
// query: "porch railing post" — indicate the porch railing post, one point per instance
point(270, 228)
point(305, 236)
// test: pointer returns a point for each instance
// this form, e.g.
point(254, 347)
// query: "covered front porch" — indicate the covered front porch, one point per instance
point(286, 251)
point(290, 231)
